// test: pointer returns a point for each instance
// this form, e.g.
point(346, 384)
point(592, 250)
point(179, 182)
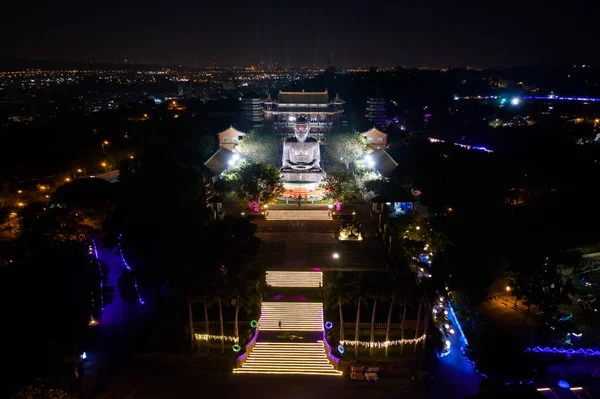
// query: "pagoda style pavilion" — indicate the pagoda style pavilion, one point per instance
point(322, 113)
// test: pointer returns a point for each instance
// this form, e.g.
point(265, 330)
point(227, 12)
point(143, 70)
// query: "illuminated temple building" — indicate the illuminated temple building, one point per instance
point(322, 113)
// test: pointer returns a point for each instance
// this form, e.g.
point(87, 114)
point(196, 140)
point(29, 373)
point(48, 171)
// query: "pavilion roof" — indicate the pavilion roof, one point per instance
point(304, 97)
point(233, 130)
point(218, 162)
point(384, 163)
point(373, 130)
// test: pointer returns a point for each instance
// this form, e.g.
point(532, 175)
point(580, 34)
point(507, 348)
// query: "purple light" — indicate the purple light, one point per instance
point(101, 279)
point(250, 343)
point(335, 359)
point(299, 298)
point(563, 351)
point(316, 269)
point(140, 300)
point(278, 297)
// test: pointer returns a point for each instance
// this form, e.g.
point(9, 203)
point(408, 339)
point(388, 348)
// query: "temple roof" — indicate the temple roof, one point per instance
point(305, 110)
point(218, 162)
point(337, 99)
point(373, 130)
point(304, 97)
point(268, 99)
point(233, 130)
point(384, 163)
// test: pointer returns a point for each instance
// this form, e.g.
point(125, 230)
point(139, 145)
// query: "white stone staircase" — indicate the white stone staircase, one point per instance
point(290, 279)
point(294, 316)
point(298, 214)
point(288, 358)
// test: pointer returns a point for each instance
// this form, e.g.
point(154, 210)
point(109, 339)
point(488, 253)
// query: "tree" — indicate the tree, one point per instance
point(92, 197)
point(358, 295)
point(539, 282)
point(345, 147)
point(341, 185)
point(258, 147)
point(337, 294)
point(259, 182)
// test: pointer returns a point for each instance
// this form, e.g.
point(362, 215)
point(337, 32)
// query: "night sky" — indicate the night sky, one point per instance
point(347, 32)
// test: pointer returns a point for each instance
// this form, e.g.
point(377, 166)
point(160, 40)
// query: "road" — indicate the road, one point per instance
point(113, 346)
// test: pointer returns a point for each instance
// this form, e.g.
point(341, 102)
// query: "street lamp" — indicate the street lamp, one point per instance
point(336, 255)
point(508, 288)
point(103, 144)
point(104, 164)
point(67, 179)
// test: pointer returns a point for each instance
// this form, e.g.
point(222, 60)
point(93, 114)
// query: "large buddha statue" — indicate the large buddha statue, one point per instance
point(301, 155)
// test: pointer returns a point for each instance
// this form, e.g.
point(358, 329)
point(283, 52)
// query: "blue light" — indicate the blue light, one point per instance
point(83, 356)
point(569, 351)
point(328, 325)
point(515, 101)
point(341, 349)
point(456, 323)
point(564, 384)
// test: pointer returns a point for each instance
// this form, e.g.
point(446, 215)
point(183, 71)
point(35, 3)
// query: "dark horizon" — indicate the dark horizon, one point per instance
point(347, 34)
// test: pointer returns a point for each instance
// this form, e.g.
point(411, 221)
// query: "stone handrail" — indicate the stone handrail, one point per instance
point(334, 360)
point(249, 346)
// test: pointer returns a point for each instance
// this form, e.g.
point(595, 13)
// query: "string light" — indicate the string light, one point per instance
point(569, 351)
point(384, 344)
point(137, 291)
point(206, 337)
point(95, 252)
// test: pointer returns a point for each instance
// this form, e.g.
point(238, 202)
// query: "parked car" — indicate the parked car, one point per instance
point(586, 300)
point(563, 316)
point(587, 283)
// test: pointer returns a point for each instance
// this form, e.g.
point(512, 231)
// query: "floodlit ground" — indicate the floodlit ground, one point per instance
point(312, 243)
point(158, 378)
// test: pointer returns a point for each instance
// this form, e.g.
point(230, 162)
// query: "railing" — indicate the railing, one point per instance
point(241, 359)
point(334, 360)
point(408, 324)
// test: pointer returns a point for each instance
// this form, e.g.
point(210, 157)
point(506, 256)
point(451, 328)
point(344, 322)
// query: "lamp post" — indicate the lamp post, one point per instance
point(335, 257)
point(103, 144)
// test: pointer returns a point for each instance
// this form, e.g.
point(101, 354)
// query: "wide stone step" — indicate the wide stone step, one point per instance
point(293, 316)
point(298, 214)
point(288, 358)
point(294, 279)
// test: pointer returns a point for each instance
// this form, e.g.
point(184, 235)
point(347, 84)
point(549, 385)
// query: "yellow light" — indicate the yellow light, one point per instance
point(68, 179)
point(176, 116)
point(543, 389)
point(353, 212)
point(47, 196)
point(336, 255)
point(105, 142)
point(145, 115)
point(131, 156)
point(20, 191)
point(508, 288)
point(79, 171)
point(103, 164)
point(266, 206)
point(576, 388)
point(418, 227)
point(21, 204)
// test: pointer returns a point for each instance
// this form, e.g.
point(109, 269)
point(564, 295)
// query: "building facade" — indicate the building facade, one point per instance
point(376, 139)
point(252, 107)
point(322, 113)
point(376, 111)
point(230, 138)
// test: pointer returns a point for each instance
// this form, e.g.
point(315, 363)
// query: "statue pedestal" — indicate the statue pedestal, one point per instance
point(297, 176)
point(309, 191)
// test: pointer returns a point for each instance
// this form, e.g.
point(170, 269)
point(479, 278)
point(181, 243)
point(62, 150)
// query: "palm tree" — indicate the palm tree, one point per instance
point(388, 325)
point(337, 295)
point(205, 302)
point(245, 296)
point(402, 327)
point(221, 332)
point(418, 320)
point(358, 286)
point(372, 337)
